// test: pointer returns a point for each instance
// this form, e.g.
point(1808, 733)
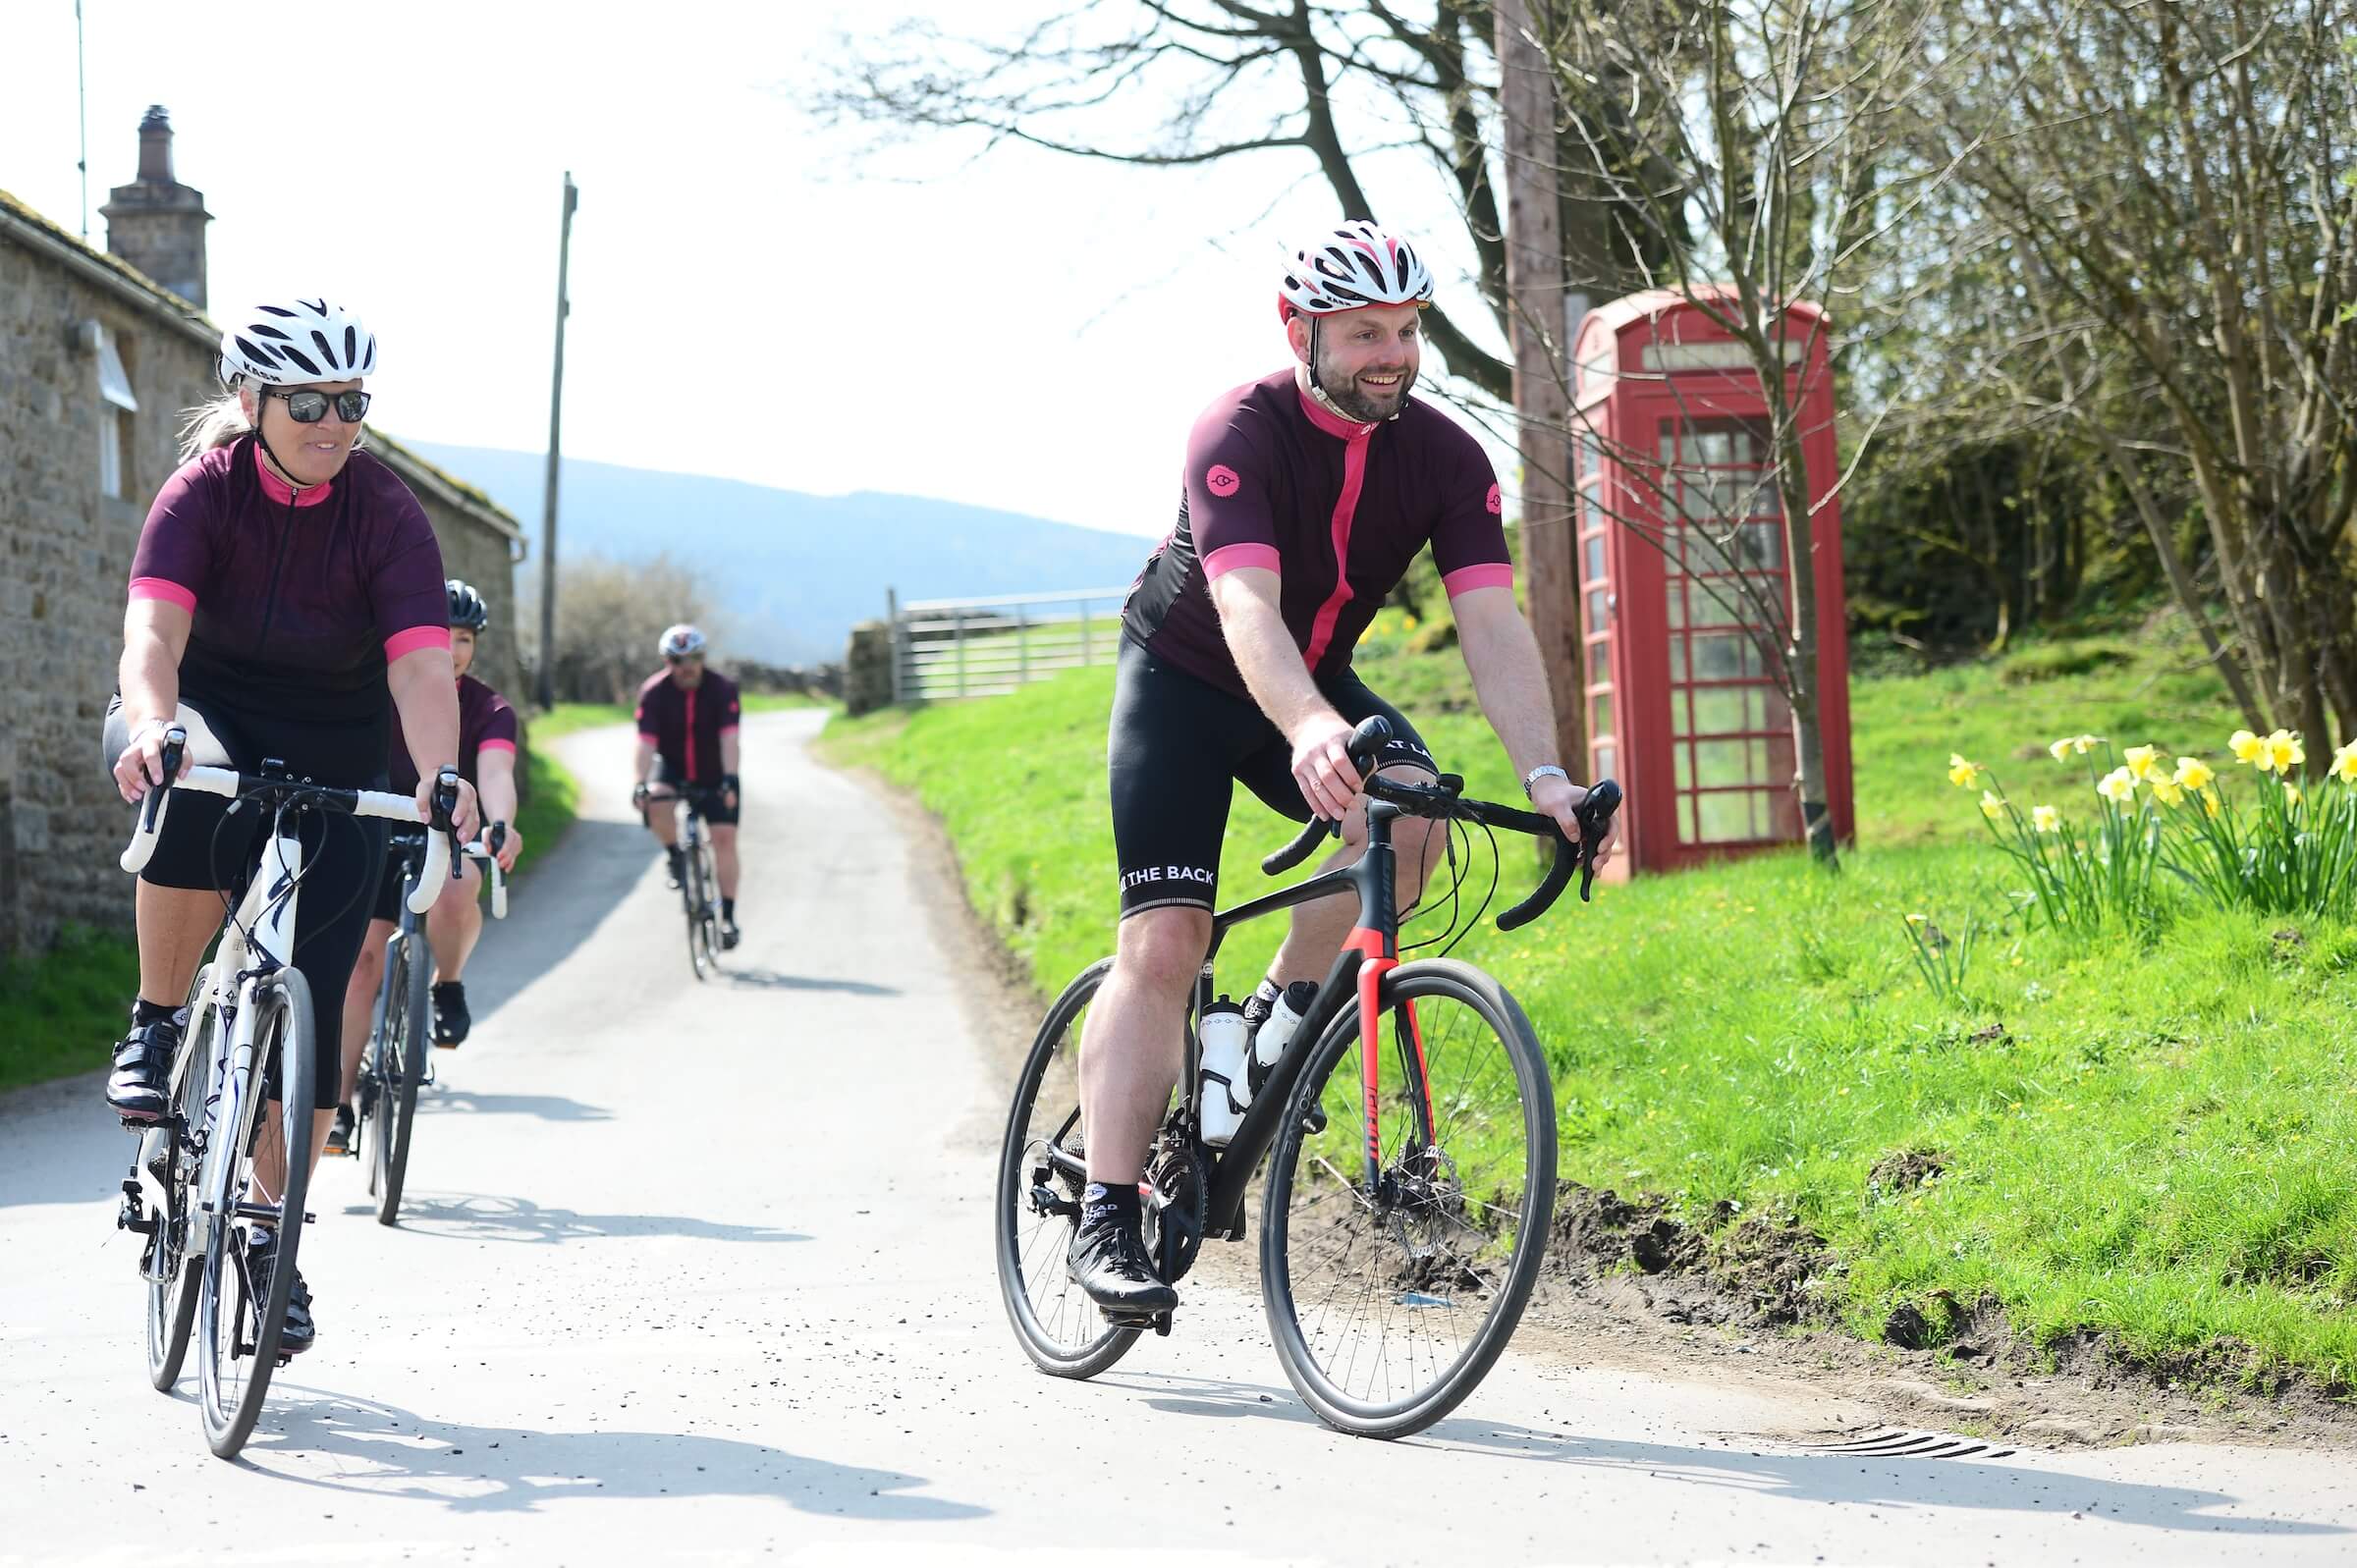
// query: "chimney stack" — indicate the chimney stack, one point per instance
point(157, 224)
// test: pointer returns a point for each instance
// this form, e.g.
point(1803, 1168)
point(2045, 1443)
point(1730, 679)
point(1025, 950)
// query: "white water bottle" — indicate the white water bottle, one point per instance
point(1224, 1043)
point(1276, 1031)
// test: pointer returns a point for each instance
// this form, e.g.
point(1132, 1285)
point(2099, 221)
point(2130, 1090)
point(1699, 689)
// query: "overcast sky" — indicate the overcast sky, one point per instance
point(751, 298)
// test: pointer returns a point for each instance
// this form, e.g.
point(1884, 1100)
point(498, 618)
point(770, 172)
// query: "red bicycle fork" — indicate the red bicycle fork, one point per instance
point(1377, 959)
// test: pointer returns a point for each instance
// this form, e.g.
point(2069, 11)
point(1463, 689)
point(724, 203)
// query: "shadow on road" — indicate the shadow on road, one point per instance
point(2021, 1488)
point(772, 980)
point(386, 1451)
point(472, 1102)
point(556, 908)
point(483, 1216)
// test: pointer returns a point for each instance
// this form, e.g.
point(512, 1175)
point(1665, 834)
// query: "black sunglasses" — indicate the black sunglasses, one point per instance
point(309, 407)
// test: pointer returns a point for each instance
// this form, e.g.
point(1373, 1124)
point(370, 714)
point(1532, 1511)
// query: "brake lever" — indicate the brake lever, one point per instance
point(446, 811)
point(1595, 815)
point(176, 746)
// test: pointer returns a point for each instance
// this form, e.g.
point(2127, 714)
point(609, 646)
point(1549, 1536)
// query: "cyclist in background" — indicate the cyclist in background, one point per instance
point(687, 720)
point(487, 734)
point(1307, 495)
point(286, 599)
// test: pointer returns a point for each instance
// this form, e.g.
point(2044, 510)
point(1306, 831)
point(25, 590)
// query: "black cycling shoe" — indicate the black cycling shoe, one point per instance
point(674, 872)
point(1108, 1261)
point(451, 1018)
point(299, 1333)
point(729, 935)
point(340, 1136)
point(140, 1087)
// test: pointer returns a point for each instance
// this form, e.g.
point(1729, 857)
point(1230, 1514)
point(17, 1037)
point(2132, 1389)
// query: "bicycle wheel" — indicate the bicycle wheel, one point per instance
point(1038, 1200)
point(400, 1053)
point(695, 893)
point(710, 873)
point(1388, 1306)
point(173, 1277)
point(236, 1332)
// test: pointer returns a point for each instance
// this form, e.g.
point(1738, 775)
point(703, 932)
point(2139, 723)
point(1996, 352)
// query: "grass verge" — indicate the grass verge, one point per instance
point(2149, 1137)
point(59, 1011)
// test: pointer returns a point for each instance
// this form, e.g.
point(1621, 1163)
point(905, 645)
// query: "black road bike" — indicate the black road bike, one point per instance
point(699, 889)
point(1408, 1127)
point(241, 1097)
point(397, 1061)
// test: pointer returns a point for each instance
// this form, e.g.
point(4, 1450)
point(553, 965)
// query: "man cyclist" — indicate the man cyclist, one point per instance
point(487, 734)
point(285, 600)
point(687, 720)
point(1307, 495)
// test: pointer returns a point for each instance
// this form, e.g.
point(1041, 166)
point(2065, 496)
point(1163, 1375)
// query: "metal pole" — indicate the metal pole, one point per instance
point(546, 690)
point(892, 642)
point(82, 100)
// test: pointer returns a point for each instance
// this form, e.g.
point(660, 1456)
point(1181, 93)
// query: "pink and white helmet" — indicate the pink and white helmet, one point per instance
point(296, 342)
point(1351, 268)
point(680, 641)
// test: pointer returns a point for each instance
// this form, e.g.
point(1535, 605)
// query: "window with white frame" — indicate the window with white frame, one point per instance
point(116, 406)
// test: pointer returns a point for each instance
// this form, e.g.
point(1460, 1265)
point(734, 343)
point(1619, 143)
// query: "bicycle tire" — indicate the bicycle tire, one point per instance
point(1430, 1273)
point(693, 893)
point(172, 1289)
point(284, 1026)
point(1070, 1338)
point(401, 1068)
point(709, 868)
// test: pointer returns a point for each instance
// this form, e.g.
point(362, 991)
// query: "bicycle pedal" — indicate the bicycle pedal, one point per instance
point(1162, 1325)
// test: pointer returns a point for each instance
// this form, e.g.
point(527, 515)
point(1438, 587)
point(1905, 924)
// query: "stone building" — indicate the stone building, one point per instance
point(97, 362)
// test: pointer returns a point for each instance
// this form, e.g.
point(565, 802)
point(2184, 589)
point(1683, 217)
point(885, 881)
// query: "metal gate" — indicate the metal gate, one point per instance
point(987, 647)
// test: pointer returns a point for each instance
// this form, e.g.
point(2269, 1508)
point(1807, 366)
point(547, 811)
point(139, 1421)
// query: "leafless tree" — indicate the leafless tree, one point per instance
point(612, 613)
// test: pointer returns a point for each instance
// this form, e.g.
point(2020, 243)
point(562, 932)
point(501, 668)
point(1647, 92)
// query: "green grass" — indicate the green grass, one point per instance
point(551, 795)
point(59, 1011)
point(2147, 1136)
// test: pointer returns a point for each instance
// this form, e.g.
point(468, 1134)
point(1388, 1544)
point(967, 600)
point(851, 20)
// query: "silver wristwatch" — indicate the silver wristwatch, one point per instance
point(1541, 772)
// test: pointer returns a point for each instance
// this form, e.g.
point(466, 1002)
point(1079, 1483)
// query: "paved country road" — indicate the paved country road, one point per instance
point(702, 1273)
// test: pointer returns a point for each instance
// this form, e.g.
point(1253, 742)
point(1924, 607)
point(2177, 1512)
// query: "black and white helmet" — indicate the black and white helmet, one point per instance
point(291, 344)
point(680, 641)
point(1351, 268)
point(466, 607)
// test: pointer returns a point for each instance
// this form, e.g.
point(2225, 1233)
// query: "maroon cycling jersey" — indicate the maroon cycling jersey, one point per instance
point(485, 724)
point(685, 724)
point(1337, 510)
point(298, 608)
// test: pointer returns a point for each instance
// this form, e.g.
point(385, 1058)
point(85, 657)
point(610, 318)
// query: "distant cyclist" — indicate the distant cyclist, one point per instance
point(487, 760)
point(286, 601)
point(687, 719)
point(1309, 494)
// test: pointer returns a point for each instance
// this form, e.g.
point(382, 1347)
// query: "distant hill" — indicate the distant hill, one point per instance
point(797, 572)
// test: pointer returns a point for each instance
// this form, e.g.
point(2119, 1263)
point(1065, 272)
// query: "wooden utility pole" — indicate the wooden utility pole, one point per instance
point(1537, 320)
point(545, 688)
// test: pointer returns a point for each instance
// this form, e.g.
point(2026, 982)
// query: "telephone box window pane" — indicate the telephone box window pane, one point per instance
point(1685, 765)
point(1734, 817)
point(1763, 545)
point(1601, 720)
point(1685, 820)
point(1719, 764)
point(1677, 658)
point(1591, 454)
point(1603, 756)
point(1595, 558)
point(1719, 656)
point(1779, 758)
point(1682, 715)
point(1597, 621)
point(1676, 600)
point(1719, 711)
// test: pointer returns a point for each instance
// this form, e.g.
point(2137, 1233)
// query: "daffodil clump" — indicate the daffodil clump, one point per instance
point(2291, 849)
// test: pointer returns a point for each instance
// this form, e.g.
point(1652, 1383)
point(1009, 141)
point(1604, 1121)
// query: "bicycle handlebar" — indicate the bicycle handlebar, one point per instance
point(1443, 801)
point(231, 785)
point(486, 849)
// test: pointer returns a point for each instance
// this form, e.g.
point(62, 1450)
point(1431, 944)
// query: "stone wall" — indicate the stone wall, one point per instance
point(64, 556)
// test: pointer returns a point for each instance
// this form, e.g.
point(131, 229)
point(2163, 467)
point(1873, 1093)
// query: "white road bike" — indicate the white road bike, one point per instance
point(248, 1044)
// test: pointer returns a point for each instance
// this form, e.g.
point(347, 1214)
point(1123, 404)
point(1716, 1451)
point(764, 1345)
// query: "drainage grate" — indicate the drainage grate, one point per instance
point(1910, 1445)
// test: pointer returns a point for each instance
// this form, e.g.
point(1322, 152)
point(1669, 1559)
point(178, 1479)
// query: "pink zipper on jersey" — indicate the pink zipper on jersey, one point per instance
point(691, 735)
point(1354, 436)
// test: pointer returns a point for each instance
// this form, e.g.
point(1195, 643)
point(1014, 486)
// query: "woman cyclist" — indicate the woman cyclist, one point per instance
point(487, 761)
point(286, 595)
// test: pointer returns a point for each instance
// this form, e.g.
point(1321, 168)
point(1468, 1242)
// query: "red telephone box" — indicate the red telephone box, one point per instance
point(1682, 541)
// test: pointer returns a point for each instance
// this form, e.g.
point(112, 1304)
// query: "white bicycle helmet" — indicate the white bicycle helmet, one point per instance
point(680, 641)
point(1349, 268)
point(290, 344)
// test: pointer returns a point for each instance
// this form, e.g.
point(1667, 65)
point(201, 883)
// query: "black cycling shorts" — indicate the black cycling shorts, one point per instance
point(393, 884)
point(1178, 746)
point(715, 813)
point(342, 855)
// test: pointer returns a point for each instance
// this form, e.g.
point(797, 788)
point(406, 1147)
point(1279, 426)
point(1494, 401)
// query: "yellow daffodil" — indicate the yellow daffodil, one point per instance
point(2060, 749)
point(2143, 761)
point(1918, 920)
point(2211, 804)
point(2291, 793)
point(2247, 747)
point(2167, 790)
point(2285, 752)
point(2119, 785)
point(2046, 819)
point(2083, 745)
point(2344, 763)
point(1992, 805)
point(2193, 774)
point(1959, 772)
